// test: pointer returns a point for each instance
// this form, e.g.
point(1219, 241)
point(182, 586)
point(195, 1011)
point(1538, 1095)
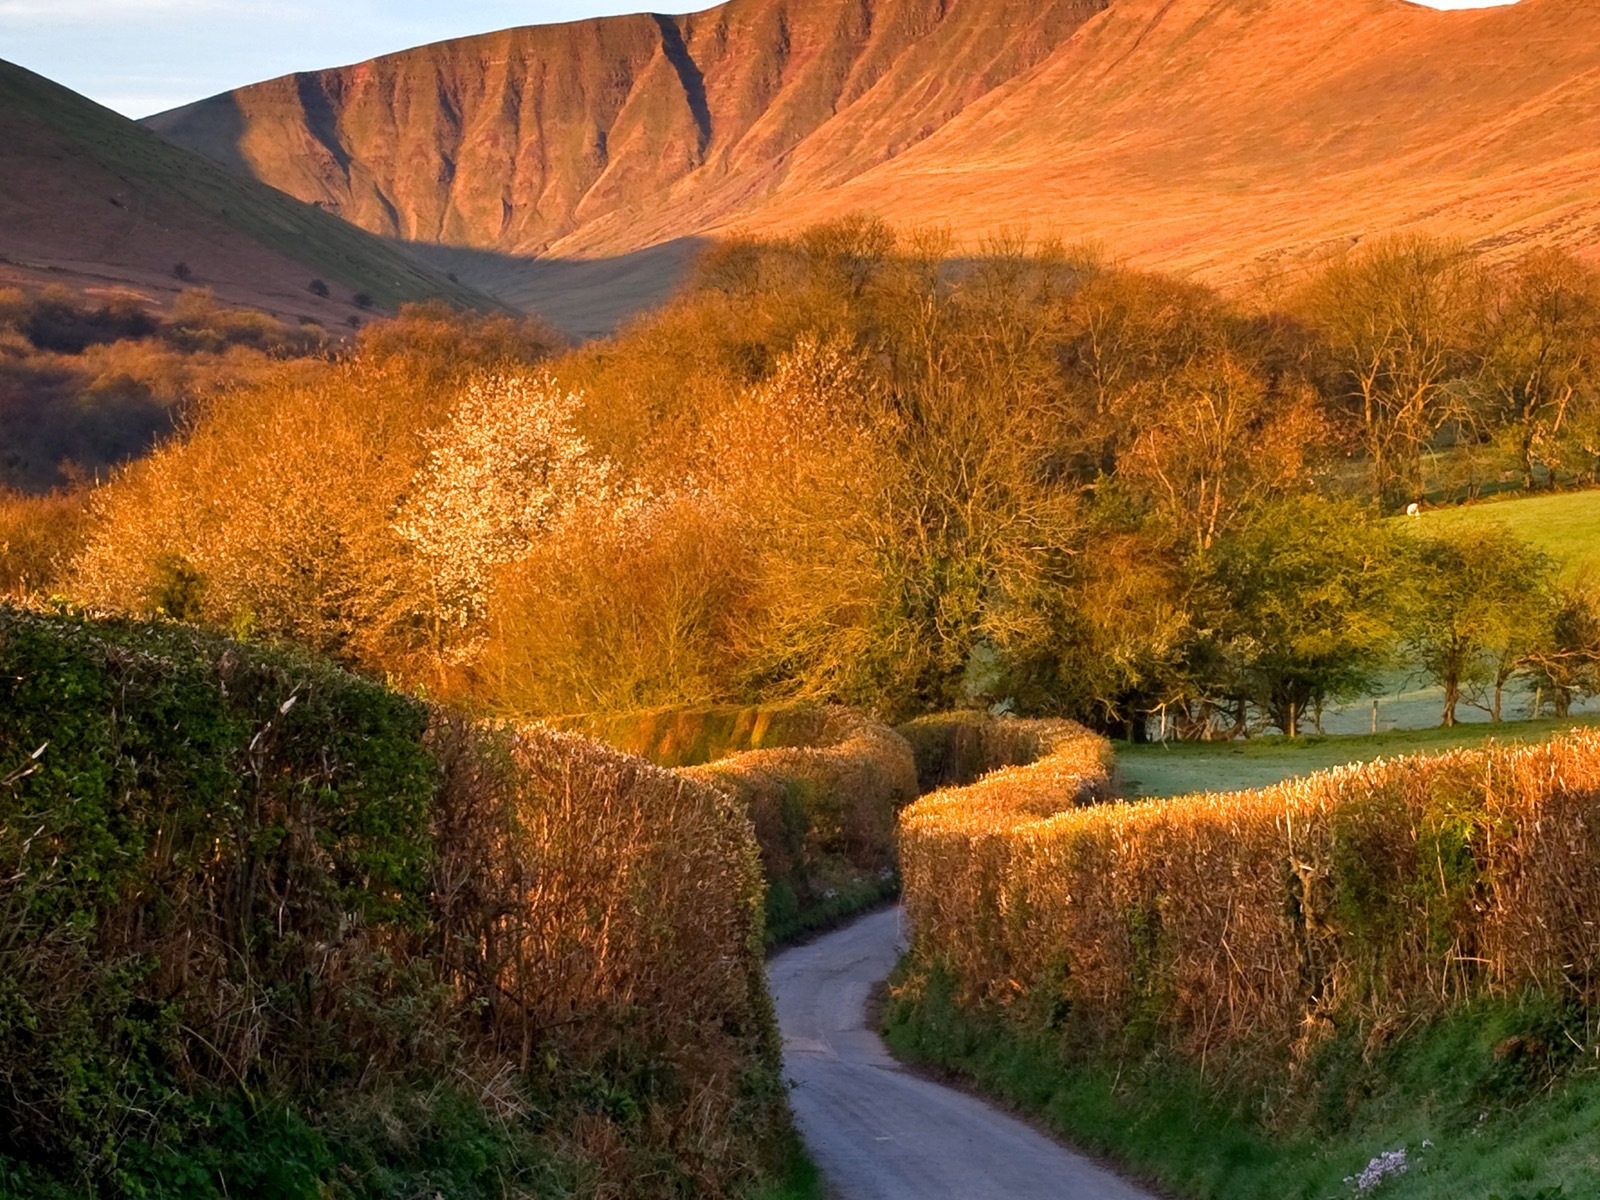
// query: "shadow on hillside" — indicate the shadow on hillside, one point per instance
point(214, 128)
point(583, 298)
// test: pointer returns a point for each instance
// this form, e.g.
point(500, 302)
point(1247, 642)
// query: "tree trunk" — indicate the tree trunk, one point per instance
point(1452, 697)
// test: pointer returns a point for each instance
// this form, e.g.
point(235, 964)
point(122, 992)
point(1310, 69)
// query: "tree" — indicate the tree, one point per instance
point(1566, 666)
point(1304, 600)
point(499, 474)
point(1215, 437)
point(1397, 322)
point(1542, 352)
point(1483, 600)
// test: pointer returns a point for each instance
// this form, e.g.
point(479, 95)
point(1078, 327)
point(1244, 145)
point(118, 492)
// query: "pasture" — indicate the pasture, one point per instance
point(1565, 525)
point(1181, 768)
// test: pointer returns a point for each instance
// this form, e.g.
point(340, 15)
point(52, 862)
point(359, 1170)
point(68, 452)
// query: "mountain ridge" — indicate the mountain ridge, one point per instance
point(1215, 137)
point(769, 76)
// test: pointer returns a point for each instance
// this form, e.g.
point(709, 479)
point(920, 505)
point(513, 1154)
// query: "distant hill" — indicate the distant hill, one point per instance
point(93, 200)
point(1224, 137)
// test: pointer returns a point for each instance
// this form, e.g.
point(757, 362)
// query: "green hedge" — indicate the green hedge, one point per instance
point(202, 852)
point(270, 929)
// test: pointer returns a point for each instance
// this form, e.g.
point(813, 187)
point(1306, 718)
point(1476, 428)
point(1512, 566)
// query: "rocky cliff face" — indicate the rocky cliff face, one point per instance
point(1219, 136)
point(617, 133)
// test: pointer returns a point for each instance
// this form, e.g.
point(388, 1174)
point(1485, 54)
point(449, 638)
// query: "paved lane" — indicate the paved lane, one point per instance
point(879, 1132)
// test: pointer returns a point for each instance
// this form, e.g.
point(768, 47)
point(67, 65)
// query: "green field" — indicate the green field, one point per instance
point(1565, 526)
point(1180, 768)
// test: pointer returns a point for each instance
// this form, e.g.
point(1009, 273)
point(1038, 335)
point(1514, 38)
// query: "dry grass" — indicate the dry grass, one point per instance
point(1371, 892)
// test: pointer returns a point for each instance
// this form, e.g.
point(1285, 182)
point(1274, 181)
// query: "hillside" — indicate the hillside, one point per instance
point(95, 201)
point(1211, 135)
point(1565, 525)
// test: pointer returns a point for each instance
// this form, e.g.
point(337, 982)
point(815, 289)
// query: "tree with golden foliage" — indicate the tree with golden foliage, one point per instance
point(1397, 320)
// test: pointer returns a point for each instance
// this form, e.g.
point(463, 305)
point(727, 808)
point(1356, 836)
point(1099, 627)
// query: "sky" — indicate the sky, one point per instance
point(143, 56)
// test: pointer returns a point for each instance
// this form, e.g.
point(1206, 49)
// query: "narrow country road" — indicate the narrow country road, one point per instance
point(879, 1132)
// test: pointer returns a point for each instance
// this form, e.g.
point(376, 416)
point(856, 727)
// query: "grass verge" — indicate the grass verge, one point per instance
point(798, 1180)
point(1494, 1101)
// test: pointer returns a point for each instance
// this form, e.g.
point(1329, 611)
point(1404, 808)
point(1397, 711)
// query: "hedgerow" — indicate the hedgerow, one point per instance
point(692, 737)
point(249, 901)
point(824, 813)
point(1247, 928)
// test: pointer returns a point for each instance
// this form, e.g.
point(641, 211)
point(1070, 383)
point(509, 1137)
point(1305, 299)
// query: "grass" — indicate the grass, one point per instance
point(1177, 769)
point(1492, 1101)
point(326, 245)
point(1565, 525)
point(799, 1179)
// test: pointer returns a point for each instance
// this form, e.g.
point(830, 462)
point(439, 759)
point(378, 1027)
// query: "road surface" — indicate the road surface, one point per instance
point(879, 1132)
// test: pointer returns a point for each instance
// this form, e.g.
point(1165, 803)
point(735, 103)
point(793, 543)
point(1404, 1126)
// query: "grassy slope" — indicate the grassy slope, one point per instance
point(323, 243)
point(1180, 768)
point(1565, 525)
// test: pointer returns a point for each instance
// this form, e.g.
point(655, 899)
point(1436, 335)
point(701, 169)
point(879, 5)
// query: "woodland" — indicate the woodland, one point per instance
point(852, 467)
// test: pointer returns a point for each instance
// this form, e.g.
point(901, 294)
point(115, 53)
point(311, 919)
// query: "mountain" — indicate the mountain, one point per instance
point(96, 201)
point(1224, 137)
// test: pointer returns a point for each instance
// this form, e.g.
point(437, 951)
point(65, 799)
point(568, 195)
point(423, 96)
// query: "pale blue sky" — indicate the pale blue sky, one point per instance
point(142, 56)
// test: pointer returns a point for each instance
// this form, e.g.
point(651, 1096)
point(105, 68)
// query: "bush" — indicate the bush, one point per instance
point(318, 288)
point(692, 737)
point(239, 881)
point(824, 817)
point(1367, 894)
point(208, 854)
point(956, 749)
point(38, 534)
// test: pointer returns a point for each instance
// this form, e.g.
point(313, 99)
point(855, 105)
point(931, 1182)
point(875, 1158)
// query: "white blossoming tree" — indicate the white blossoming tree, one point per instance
point(500, 474)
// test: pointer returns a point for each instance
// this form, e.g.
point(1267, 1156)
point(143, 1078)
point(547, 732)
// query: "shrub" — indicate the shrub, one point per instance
point(1259, 921)
point(958, 748)
point(824, 816)
point(692, 737)
point(318, 288)
point(38, 534)
point(208, 855)
point(237, 882)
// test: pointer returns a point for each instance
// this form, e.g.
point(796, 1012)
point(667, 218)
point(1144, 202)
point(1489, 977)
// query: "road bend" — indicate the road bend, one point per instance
point(880, 1132)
